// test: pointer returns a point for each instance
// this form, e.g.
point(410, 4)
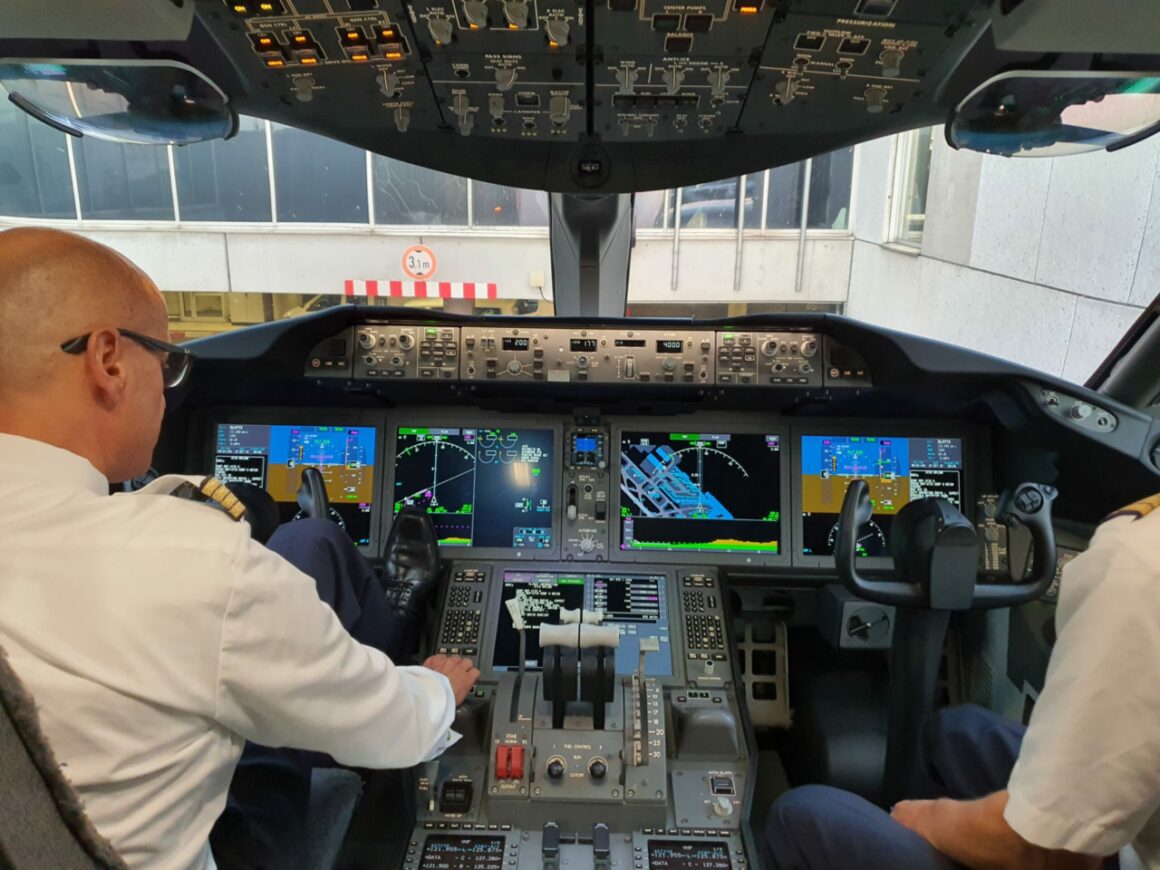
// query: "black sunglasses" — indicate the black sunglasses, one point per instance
point(176, 361)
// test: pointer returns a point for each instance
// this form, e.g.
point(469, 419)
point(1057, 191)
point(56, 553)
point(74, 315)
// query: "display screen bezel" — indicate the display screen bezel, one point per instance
point(972, 471)
point(204, 458)
point(727, 424)
point(444, 420)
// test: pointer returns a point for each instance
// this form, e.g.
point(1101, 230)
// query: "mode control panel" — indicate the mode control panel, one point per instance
point(508, 354)
point(764, 358)
point(406, 352)
point(644, 356)
point(585, 531)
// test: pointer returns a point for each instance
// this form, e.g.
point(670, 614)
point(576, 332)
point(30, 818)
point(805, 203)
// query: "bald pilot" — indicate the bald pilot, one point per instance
point(155, 636)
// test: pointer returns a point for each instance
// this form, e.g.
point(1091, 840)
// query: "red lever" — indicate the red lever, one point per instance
point(502, 761)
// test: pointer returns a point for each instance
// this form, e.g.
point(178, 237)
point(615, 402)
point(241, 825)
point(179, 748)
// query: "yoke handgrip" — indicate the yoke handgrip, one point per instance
point(1029, 504)
point(856, 512)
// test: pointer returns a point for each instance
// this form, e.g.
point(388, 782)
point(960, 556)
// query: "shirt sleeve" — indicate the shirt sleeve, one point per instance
point(1088, 775)
point(289, 674)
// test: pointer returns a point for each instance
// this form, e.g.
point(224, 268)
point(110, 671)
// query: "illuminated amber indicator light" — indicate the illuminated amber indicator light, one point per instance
point(387, 33)
point(309, 61)
point(394, 55)
point(265, 40)
point(266, 7)
point(275, 62)
point(360, 56)
point(240, 8)
point(513, 27)
point(300, 39)
point(553, 44)
point(748, 10)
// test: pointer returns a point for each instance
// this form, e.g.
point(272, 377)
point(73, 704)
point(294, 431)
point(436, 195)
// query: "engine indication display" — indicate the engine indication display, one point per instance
point(272, 457)
point(688, 855)
point(481, 487)
point(897, 470)
point(634, 603)
point(700, 492)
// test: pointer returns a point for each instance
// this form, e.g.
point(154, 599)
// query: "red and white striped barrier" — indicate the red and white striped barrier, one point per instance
point(422, 289)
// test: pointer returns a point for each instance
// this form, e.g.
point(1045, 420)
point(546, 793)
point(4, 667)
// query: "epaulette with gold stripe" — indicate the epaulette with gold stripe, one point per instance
point(217, 492)
point(1138, 509)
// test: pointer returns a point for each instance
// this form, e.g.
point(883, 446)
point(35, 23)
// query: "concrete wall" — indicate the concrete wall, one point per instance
point(1046, 262)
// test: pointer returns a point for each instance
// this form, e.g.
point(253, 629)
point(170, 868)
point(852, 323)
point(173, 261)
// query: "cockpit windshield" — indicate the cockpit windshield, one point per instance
point(1044, 263)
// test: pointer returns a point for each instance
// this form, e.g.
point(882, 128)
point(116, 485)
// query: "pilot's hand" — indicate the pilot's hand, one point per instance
point(459, 671)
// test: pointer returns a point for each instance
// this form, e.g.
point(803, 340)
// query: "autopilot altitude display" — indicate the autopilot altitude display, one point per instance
point(482, 487)
point(700, 492)
point(897, 470)
point(272, 457)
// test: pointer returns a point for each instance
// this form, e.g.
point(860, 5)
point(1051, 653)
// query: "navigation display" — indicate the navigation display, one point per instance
point(700, 492)
point(272, 457)
point(897, 470)
point(634, 603)
point(481, 487)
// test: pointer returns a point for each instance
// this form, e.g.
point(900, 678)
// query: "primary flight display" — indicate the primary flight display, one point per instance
point(700, 492)
point(272, 457)
point(897, 470)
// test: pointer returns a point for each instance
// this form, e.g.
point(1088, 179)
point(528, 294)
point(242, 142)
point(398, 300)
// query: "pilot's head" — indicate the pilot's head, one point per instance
point(69, 375)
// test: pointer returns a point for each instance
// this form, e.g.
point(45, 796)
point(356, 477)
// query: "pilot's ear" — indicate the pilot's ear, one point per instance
point(105, 366)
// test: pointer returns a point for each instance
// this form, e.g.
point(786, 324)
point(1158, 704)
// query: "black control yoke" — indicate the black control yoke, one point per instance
point(936, 558)
point(935, 551)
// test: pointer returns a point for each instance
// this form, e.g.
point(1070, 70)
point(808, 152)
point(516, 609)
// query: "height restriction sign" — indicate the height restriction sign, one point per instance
point(419, 262)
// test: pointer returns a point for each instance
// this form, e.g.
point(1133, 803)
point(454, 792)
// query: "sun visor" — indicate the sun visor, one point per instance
point(1052, 114)
point(137, 102)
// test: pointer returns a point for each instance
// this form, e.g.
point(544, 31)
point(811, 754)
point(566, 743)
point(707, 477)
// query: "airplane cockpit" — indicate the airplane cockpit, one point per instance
point(696, 560)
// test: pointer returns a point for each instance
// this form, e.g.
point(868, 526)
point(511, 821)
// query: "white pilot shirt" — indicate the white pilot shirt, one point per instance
point(1088, 775)
point(156, 637)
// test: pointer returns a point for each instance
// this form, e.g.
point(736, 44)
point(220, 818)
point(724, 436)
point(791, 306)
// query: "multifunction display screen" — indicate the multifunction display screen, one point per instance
point(700, 492)
point(634, 603)
point(688, 855)
point(897, 470)
point(481, 487)
point(272, 457)
point(444, 852)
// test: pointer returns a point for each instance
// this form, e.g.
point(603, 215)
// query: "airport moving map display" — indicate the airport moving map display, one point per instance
point(700, 492)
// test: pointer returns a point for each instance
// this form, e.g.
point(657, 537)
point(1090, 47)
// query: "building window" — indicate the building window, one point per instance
point(496, 206)
point(34, 173)
point(123, 182)
point(911, 177)
point(318, 180)
point(407, 195)
point(225, 180)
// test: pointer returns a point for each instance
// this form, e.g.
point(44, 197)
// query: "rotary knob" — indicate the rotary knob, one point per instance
point(406, 341)
point(581, 362)
point(515, 367)
point(669, 364)
point(768, 347)
point(366, 340)
point(556, 767)
point(597, 768)
point(1080, 411)
point(809, 347)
